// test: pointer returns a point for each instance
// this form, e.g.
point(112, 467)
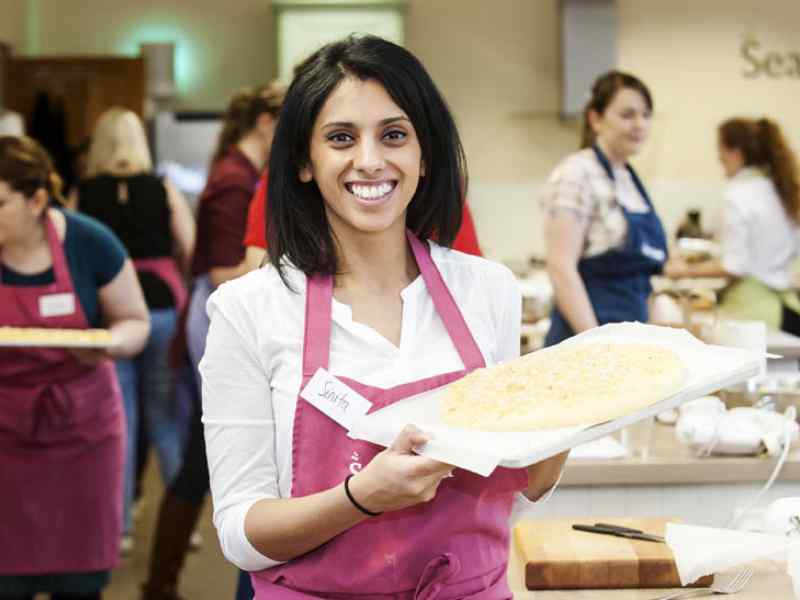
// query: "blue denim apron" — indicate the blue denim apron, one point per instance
point(618, 281)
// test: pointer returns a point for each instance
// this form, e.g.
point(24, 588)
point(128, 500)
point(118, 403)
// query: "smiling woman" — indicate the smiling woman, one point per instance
point(364, 116)
point(366, 168)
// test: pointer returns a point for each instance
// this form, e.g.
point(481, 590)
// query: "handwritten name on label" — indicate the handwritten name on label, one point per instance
point(338, 401)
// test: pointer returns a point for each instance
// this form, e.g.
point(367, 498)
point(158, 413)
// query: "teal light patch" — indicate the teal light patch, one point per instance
point(187, 58)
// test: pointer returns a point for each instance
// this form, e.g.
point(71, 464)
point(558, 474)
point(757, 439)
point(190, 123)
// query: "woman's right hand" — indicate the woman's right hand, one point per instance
point(398, 477)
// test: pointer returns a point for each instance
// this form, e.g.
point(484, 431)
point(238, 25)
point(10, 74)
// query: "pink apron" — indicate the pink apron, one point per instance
point(165, 268)
point(453, 547)
point(61, 443)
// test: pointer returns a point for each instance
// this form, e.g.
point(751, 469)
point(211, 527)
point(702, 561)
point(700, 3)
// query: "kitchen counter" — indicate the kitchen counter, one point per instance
point(672, 463)
point(671, 483)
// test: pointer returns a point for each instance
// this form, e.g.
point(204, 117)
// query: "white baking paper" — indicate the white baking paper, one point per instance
point(710, 368)
point(703, 551)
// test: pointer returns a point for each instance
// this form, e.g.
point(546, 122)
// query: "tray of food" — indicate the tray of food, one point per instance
point(521, 412)
point(46, 337)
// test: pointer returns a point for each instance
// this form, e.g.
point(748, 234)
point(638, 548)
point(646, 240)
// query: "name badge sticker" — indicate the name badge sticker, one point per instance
point(338, 401)
point(656, 254)
point(57, 305)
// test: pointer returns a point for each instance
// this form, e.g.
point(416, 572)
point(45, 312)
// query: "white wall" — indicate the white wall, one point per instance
point(220, 46)
point(12, 22)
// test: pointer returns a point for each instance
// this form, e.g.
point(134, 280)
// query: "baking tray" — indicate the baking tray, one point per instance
point(710, 368)
point(43, 337)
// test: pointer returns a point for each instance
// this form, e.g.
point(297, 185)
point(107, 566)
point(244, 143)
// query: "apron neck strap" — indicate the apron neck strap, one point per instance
point(446, 306)
point(60, 269)
point(606, 164)
point(319, 298)
point(317, 333)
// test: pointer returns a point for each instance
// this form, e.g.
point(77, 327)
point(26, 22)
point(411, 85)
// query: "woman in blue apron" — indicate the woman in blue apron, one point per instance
point(604, 239)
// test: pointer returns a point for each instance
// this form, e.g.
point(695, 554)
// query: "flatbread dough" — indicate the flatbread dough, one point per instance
point(574, 384)
point(55, 337)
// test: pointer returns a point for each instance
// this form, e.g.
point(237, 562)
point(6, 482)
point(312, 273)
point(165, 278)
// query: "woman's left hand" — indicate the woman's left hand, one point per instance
point(676, 268)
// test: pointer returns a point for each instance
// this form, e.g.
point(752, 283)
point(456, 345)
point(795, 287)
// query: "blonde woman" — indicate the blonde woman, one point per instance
point(154, 222)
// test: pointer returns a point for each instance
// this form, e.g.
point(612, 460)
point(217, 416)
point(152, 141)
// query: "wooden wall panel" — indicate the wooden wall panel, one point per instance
point(87, 85)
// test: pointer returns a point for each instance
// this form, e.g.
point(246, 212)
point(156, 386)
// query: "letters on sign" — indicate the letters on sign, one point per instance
point(769, 63)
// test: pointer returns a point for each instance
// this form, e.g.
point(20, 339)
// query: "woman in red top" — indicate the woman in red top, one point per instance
point(255, 240)
point(242, 152)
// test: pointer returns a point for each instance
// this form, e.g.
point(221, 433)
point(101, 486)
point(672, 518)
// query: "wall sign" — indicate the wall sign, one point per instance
point(302, 26)
point(761, 61)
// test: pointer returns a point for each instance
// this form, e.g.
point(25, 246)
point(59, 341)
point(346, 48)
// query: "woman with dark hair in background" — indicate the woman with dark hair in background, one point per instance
point(603, 237)
point(242, 152)
point(366, 168)
point(762, 216)
point(153, 220)
point(62, 431)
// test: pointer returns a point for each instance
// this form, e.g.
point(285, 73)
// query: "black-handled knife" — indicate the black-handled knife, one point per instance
point(624, 532)
point(618, 528)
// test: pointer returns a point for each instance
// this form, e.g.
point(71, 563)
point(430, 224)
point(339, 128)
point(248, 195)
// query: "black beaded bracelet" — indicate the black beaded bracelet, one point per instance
point(353, 500)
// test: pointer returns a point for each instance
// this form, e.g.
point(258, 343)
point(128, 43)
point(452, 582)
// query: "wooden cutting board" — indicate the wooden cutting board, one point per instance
point(556, 557)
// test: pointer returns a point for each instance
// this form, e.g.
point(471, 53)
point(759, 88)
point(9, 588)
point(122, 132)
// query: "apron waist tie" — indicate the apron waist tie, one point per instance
point(53, 410)
point(435, 576)
point(434, 584)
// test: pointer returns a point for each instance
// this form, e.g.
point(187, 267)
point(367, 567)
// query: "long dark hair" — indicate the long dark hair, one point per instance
point(762, 144)
point(243, 111)
point(604, 89)
point(297, 226)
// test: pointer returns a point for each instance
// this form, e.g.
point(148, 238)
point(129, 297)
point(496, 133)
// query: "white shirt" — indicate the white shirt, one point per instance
point(759, 239)
point(251, 371)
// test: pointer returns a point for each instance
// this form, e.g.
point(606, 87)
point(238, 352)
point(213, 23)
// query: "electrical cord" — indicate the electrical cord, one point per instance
point(790, 415)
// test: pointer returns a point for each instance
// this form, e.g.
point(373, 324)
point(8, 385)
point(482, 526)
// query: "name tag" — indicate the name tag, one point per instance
point(57, 305)
point(656, 254)
point(338, 401)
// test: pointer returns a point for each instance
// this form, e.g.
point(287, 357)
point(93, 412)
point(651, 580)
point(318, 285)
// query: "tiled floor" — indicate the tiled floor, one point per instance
point(206, 576)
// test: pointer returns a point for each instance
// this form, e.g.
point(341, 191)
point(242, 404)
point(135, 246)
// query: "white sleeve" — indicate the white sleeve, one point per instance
point(509, 319)
point(239, 429)
point(735, 238)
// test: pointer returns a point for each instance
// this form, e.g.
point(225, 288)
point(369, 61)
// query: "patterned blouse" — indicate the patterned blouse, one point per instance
point(579, 185)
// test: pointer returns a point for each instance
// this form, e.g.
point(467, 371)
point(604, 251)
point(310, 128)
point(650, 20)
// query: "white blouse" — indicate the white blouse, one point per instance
point(759, 239)
point(251, 371)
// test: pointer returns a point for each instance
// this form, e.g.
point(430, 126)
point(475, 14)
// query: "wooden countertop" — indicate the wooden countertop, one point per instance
point(672, 463)
point(770, 581)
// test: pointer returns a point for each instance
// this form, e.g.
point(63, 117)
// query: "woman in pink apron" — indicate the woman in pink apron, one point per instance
point(61, 421)
point(358, 310)
point(154, 222)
